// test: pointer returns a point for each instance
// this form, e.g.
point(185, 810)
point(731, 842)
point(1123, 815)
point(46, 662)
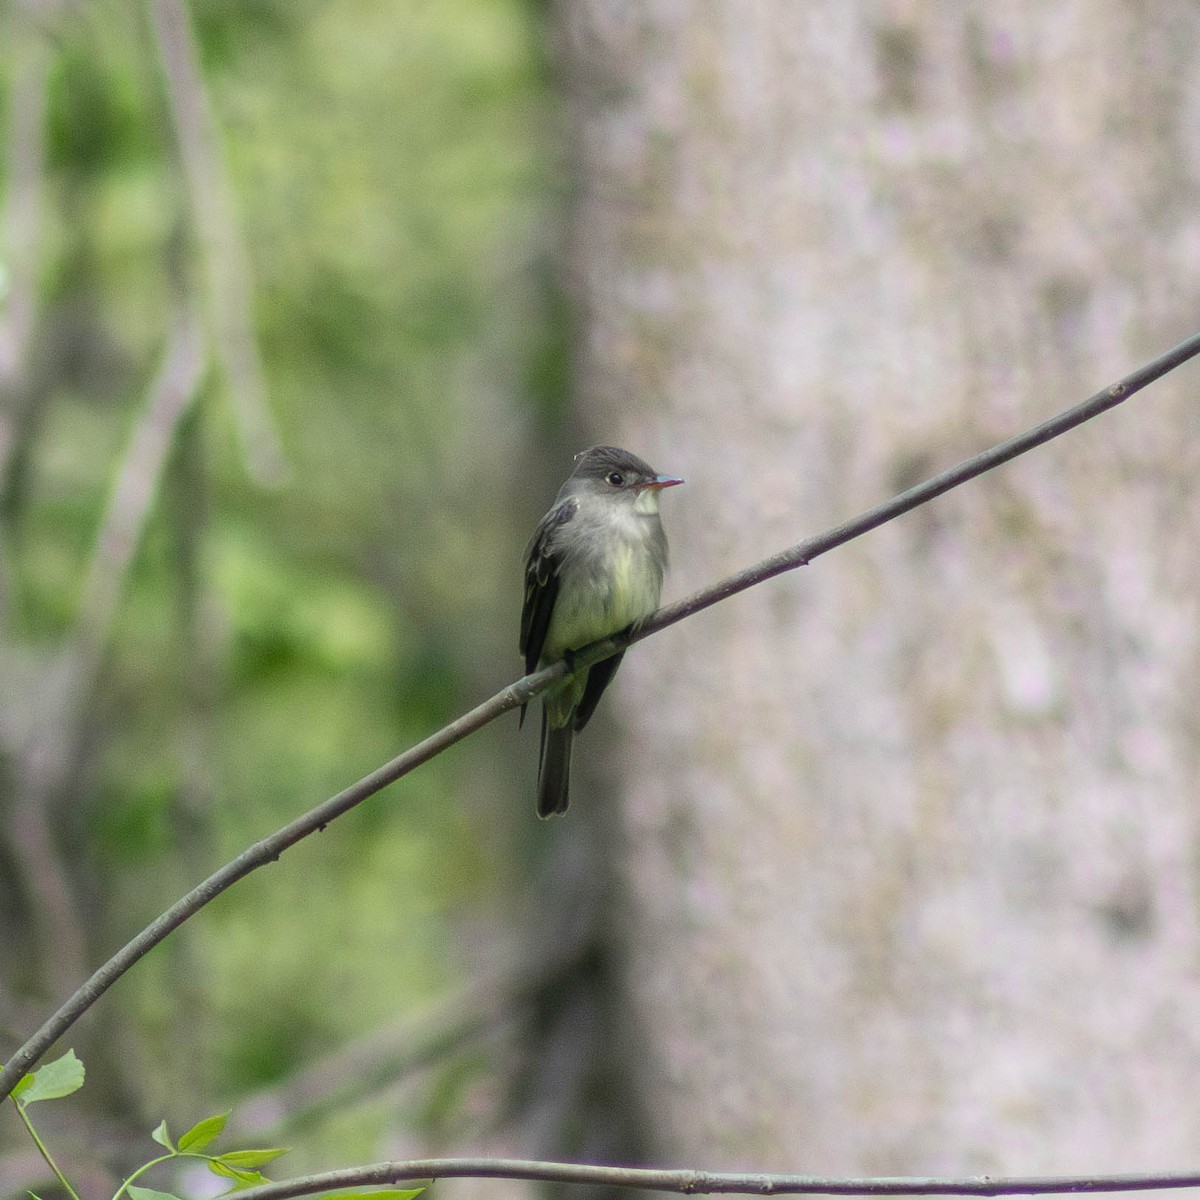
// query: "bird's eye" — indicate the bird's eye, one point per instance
point(615, 478)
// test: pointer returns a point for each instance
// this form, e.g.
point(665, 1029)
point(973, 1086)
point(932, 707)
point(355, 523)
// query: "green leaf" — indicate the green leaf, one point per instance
point(244, 1178)
point(162, 1137)
point(141, 1193)
point(203, 1132)
point(23, 1085)
point(58, 1078)
point(250, 1158)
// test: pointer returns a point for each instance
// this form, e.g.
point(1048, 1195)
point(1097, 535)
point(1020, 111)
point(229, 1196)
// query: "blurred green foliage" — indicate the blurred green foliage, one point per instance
point(389, 163)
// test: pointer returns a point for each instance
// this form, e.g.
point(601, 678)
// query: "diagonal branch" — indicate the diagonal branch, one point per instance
point(691, 1183)
point(270, 848)
point(804, 552)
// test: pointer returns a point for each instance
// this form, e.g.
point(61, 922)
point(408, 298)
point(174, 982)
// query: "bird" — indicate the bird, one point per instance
point(593, 568)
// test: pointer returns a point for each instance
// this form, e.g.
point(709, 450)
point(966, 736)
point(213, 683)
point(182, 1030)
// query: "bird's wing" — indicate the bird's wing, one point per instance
point(598, 678)
point(541, 581)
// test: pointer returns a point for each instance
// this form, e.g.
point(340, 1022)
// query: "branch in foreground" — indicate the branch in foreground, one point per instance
point(692, 1183)
point(270, 848)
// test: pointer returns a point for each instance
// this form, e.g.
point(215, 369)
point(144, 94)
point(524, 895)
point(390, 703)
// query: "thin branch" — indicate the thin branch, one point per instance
point(265, 851)
point(270, 848)
point(690, 1183)
point(47, 1157)
point(803, 553)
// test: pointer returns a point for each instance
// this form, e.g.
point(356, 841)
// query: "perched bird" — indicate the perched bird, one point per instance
point(593, 568)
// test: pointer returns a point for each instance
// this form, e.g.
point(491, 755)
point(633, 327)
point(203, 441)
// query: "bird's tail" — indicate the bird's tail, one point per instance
point(554, 773)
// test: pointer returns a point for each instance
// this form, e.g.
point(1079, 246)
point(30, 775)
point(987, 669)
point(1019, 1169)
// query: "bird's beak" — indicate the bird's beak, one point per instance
point(664, 481)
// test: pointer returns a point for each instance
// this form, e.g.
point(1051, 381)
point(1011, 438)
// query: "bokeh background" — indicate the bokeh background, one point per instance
point(889, 866)
point(281, 357)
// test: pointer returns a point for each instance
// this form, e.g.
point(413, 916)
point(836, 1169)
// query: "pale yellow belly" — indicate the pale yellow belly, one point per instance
point(602, 604)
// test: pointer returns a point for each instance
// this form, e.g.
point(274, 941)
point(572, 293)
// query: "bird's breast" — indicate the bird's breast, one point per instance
point(614, 583)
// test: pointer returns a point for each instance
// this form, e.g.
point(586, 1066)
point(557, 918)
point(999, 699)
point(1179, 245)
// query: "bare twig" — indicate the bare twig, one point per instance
point(258, 855)
point(516, 694)
point(691, 1183)
point(224, 251)
point(803, 553)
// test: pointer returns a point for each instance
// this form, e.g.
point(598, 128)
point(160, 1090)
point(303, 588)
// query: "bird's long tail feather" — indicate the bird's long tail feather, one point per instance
point(554, 774)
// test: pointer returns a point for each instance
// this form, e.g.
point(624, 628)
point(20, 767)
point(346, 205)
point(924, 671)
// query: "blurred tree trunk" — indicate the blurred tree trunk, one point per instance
point(910, 837)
